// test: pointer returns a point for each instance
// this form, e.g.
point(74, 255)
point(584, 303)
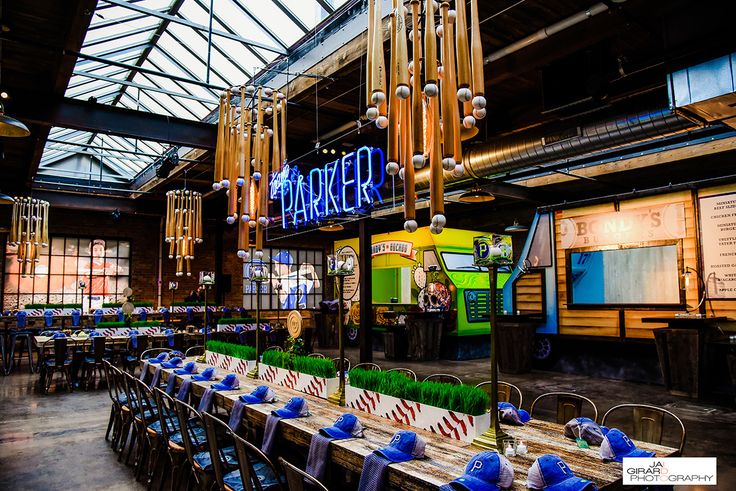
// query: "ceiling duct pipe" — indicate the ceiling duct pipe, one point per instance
point(524, 151)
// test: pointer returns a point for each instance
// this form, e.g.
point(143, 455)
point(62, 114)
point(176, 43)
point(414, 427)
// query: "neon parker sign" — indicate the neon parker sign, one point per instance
point(347, 185)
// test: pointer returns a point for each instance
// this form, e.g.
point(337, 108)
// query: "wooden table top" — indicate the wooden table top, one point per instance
point(40, 340)
point(446, 458)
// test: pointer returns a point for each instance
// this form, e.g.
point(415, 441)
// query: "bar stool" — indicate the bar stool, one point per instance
point(26, 347)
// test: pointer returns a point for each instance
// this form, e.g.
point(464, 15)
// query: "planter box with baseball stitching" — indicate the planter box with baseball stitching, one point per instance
point(114, 310)
point(55, 311)
point(448, 423)
point(125, 331)
point(182, 309)
point(251, 326)
point(229, 363)
point(309, 384)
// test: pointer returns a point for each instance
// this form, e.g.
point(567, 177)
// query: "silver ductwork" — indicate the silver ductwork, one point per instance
point(517, 152)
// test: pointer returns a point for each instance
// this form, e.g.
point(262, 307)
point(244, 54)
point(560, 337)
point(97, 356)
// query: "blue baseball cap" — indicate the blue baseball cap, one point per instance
point(93, 334)
point(294, 408)
point(262, 393)
point(58, 334)
point(283, 257)
point(169, 331)
point(189, 369)
point(616, 445)
point(551, 473)
point(230, 382)
point(133, 332)
point(509, 414)
point(162, 357)
point(207, 374)
point(174, 362)
point(586, 429)
point(404, 445)
point(346, 426)
point(486, 471)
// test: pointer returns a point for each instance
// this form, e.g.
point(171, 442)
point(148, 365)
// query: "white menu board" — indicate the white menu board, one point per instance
point(718, 240)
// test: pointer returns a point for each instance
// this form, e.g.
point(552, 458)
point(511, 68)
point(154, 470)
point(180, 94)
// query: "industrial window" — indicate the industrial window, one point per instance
point(103, 265)
point(295, 280)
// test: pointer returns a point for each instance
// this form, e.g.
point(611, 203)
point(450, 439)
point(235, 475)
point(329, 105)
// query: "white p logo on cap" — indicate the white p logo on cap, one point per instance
point(478, 464)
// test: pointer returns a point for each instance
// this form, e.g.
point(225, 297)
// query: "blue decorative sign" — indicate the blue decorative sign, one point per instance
point(347, 185)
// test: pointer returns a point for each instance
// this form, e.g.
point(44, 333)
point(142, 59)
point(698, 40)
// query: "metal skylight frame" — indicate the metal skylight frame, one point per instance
point(172, 57)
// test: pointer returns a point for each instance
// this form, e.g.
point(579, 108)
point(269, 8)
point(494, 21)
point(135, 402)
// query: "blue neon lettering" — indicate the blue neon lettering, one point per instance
point(330, 187)
point(346, 182)
point(286, 188)
point(299, 203)
point(315, 180)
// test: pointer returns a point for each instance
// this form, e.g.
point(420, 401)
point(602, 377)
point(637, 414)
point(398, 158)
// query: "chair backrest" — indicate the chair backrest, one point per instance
point(143, 343)
point(128, 384)
point(648, 423)
point(248, 455)
point(316, 355)
point(443, 378)
point(506, 392)
point(569, 406)
point(188, 419)
point(274, 348)
point(179, 338)
point(107, 369)
point(219, 436)
point(60, 354)
point(194, 350)
point(98, 348)
point(336, 362)
point(116, 381)
point(166, 412)
point(296, 478)
point(153, 353)
point(146, 402)
point(405, 372)
point(368, 366)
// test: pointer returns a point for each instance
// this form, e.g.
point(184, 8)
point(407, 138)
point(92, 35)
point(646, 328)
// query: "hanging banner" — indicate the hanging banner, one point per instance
point(401, 247)
point(638, 225)
point(718, 243)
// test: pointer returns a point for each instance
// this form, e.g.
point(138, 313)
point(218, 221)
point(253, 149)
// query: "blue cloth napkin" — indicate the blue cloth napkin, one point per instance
point(98, 316)
point(447, 487)
point(143, 313)
point(76, 316)
point(121, 315)
point(269, 433)
point(144, 371)
point(21, 318)
point(134, 341)
point(190, 314)
point(156, 377)
point(373, 476)
point(166, 315)
point(48, 318)
point(236, 414)
point(170, 340)
point(171, 385)
point(184, 389)
point(317, 458)
point(205, 404)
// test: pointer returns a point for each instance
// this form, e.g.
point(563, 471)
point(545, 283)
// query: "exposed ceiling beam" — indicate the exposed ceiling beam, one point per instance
point(104, 119)
point(152, 88)
point(194, 25)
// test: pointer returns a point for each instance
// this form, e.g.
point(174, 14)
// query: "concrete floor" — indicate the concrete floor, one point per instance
point(56, 441)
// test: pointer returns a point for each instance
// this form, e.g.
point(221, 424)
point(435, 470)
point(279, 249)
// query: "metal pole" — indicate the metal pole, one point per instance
point(254, 373)
point(338, 397)
point(209, 41)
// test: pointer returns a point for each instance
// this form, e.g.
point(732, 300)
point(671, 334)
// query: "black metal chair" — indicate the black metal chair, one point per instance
point(408, 373)
point(569, 406)
point(297, 478)
point(172, 436)
point(92, 362)
point(368, 366)
point(194, 351)
point(647, 422)
point(117, 402)
point(22, 338)
point(60, 362)
point(147, 414)
point(257, 472)
point(443, 378)
point(132, 355)
point(223, 457)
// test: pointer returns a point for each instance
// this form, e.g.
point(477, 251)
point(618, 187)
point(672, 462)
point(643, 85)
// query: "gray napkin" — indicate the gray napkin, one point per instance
point(269, 433)
point(373, 476)
point(319, 448)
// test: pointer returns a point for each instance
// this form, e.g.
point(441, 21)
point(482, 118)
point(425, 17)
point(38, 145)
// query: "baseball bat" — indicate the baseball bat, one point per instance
point(479, 88)
point(378, 80)
point(430, 52)
point(392, 150)
point(369, 54)
point(463, 56)
point(283, 132)
point(448, 124)
point(407, 135)
point(451, 79)
point(401, 69)
point(416, 101)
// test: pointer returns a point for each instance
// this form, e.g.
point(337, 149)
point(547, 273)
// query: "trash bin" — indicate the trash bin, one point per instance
point(424, 333)
point(395, 344)
point(515, 338)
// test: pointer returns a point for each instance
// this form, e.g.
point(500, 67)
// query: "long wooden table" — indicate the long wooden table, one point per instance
point(446, 458)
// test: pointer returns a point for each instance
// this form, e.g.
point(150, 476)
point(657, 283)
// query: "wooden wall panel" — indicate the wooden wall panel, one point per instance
point(529, 294)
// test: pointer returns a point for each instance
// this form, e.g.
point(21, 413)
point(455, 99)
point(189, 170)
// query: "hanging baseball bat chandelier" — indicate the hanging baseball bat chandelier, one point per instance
point(248, 151)
point(430, 106)
point(183, 227)
point(29, 231)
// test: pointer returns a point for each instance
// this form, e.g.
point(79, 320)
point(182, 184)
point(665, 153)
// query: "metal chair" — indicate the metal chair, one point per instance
point(316, 355)
point(274, 348)
point(92, 362)
point(405, 372)
point(194, 439)
point(648, 423)
point(443, 378)
point(257, 472)
point(297, 478)
point(194, 351)
point(172, 440)
point(506, 392)
point(147, 414)
point(132, 355)
point(60, 362)
point(24, 337)
point(223, 460)
point(112, 391)
point(368, 366)
point(569, 406)
point(336, 362)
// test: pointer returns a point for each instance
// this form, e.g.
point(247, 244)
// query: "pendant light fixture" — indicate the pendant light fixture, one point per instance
point(476, 195)
point(516, 227)
point(183, 227)
point(29, 231)
point(331, 226)
point(10, 126)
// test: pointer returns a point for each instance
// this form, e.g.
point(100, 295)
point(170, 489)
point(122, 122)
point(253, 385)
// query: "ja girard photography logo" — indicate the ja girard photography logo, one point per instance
point(670, 471)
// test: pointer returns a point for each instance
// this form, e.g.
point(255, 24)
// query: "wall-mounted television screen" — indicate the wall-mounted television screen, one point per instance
point(631, 276)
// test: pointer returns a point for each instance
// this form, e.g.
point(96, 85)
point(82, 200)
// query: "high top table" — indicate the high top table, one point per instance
point(446, 458)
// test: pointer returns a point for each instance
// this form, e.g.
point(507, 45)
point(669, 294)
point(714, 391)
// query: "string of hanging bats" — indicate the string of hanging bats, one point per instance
point(432, 102)
point(29, 231)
